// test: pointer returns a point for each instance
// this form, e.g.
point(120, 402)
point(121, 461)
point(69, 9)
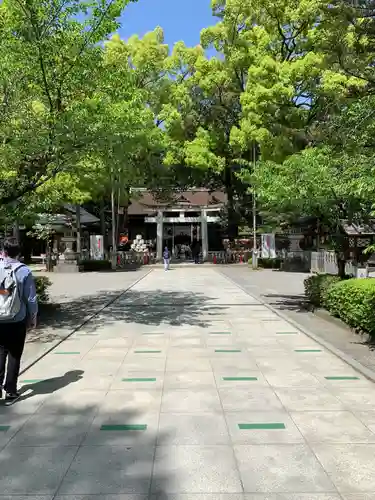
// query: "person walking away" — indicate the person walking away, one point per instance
point(198, 254)
point(166, 258)
point(196, 251)
point(18, 313)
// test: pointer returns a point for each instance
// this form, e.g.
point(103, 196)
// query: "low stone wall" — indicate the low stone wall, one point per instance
point(325, 262)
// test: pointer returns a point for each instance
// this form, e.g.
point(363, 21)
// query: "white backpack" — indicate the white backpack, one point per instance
point(10, 300)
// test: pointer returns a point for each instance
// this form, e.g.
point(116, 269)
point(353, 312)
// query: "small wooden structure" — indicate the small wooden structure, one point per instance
point(64, 234)
point(360, 236)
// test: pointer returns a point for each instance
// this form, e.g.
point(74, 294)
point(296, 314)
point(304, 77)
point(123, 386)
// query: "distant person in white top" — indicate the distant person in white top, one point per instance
point(166, 258)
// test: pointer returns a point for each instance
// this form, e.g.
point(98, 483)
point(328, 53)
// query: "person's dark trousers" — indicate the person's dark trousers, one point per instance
point(12, 342)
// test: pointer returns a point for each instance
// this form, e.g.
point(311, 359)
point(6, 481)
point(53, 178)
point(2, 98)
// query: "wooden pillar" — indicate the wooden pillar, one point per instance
point(78, 229)
point(204, 234)
point(159, 236)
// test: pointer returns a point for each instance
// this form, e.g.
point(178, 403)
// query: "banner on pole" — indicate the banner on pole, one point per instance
point(96, 247)
point(268, 246)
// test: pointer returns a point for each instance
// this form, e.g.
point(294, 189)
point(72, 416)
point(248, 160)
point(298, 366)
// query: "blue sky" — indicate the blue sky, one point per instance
point(179, 20)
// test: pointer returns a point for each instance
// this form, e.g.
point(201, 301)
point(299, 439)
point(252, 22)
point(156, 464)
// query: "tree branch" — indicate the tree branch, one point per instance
point(30, 14)
point(40, 162)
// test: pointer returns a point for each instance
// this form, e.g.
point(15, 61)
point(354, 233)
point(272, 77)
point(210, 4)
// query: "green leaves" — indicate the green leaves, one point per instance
point(50, 66)
point(83, 112)
point(353, 301)
point(200, 152)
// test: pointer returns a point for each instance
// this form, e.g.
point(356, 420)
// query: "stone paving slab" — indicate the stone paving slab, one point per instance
point(285, 292)
point(200, 394)
point(78, 297)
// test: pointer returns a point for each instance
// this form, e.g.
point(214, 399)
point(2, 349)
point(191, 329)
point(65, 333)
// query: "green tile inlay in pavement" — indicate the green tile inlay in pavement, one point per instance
point(153, 333)
point(234, 379)
point(220, 333)
point(67, 352)
point(227, 350)
point(139, 379)
point(124, 427)
point(307, 350)
point(32, 381)
point(4, 428)
point(286, 333)
point(261, 426)
point(146, 352)
point(342, 378)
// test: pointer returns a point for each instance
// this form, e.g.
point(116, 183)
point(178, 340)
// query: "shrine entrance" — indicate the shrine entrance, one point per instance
point(179, 238)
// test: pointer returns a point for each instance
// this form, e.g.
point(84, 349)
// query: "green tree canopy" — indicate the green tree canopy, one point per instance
point(50, 64)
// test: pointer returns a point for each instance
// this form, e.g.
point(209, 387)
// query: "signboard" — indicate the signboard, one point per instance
point(183, 220)
point(123, 239)
point(268, 247)
point(96, 247)
point(362, 272)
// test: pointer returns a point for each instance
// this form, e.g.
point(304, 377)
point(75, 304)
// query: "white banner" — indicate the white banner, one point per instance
point(268, 250)
point(96, 247)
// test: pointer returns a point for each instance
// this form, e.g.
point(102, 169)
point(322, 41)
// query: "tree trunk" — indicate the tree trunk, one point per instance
point(341, 251)
point(341, 263)
point(118, 218)
point(232, 224)
point(114, 228)
point(102, 219)
point(16, 232)
point(126, 217)
point(49, 263)
point(78, 229)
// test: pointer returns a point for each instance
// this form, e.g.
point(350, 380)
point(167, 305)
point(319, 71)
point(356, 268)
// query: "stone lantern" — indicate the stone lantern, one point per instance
point(68, 262)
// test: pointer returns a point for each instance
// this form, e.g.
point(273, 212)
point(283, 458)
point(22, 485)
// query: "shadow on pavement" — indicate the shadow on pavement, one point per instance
point(296, 303)
point(368, 342)
point(143, 307)
point(156, 307)
point(68, 315)
point(56, 447)
point(49, 385)
point(296, 270)
point(128, 269)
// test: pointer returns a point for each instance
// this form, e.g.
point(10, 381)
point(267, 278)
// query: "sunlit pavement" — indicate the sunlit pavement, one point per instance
point(187, 388)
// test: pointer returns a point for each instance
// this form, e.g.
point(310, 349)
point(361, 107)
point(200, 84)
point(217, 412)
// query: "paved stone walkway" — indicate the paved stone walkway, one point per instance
point(285, 292)
point(187, 388)
point(78, 297)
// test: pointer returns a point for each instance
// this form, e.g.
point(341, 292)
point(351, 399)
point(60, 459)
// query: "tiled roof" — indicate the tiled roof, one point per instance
point(67, 218)
point(358, 229)
point(147, 203)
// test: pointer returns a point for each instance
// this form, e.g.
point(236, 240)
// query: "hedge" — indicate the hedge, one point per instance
point(42, 284)
point(317, 286)
point(269, 263)
point(353, 301)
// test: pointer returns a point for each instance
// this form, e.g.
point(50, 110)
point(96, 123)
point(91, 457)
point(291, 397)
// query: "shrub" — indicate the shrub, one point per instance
point(250, 261)
point(94, 265)
point(316, 287)
point(42, 284)
point(353, 301)
point(269, 263)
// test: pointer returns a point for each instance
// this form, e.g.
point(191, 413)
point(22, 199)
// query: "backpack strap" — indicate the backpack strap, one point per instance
point(18, 266)
point(8, 266)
